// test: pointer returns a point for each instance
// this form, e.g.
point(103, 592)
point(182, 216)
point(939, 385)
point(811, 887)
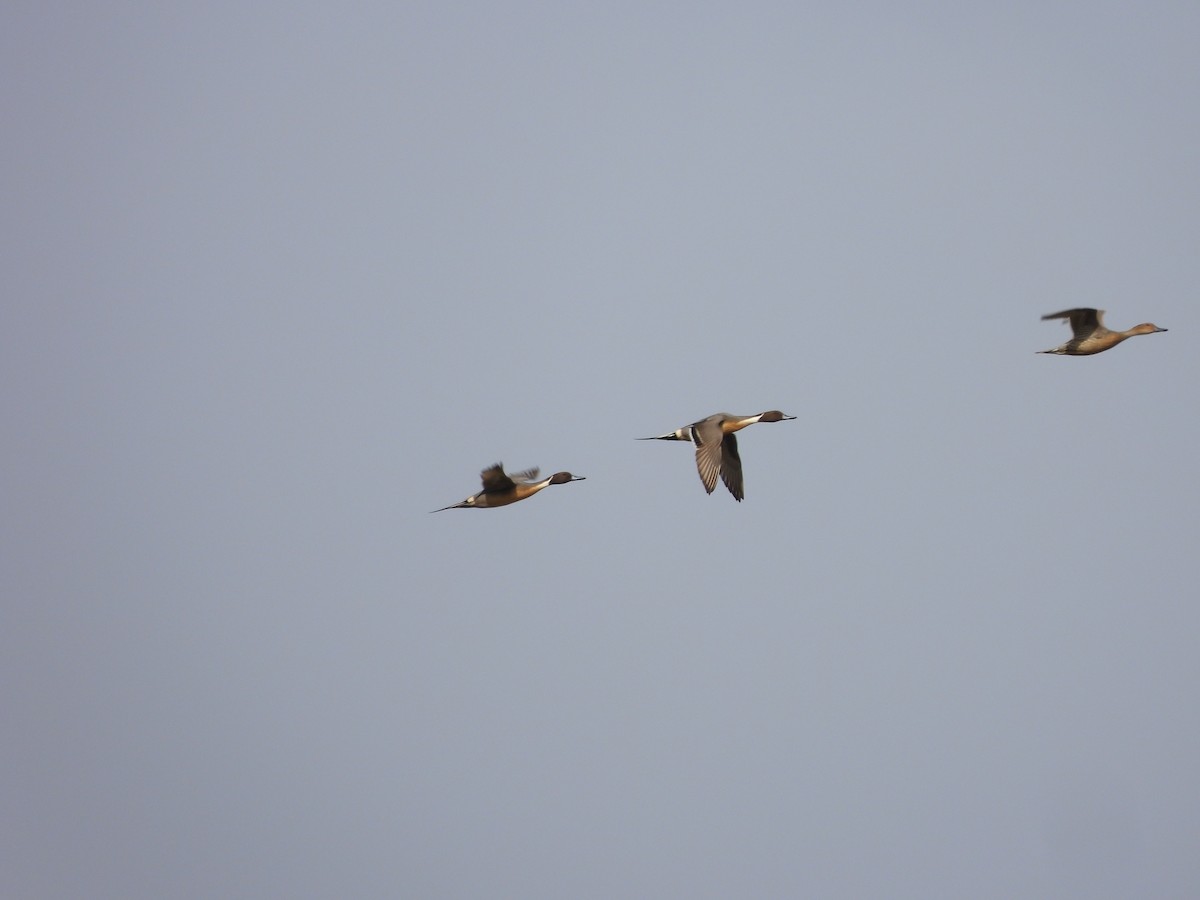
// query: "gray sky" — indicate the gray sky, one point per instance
point(279, 281)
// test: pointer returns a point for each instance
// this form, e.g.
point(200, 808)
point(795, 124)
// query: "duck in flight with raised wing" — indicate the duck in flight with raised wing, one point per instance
point(500, 489)
point(1089, 334)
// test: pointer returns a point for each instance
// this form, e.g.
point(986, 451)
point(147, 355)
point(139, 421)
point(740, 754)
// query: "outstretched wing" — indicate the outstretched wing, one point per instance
point(526, 476)
point(708, 454)
point(731, 467)
point(494, 479)
point(1084, 320)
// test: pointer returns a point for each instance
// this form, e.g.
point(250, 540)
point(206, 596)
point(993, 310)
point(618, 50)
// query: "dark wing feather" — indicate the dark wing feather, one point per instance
point(494, 479)
point(1084, 320)
point(731, 467)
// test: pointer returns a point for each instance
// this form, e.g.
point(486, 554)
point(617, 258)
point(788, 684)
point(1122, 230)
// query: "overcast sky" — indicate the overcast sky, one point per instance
point(281, 278)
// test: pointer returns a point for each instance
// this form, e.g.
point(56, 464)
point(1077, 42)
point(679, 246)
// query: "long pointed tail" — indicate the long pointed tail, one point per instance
point(679, 435)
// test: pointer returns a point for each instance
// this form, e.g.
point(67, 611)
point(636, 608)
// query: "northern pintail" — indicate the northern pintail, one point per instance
point(716, 446)
point(500, 489)
point(1089, 334)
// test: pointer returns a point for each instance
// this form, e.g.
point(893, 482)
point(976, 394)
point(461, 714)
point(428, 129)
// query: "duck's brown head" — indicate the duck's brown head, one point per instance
point(1145, 328)
point(774, 415)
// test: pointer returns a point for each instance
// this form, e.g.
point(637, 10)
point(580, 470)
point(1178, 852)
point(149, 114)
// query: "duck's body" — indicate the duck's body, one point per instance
point(500, 489)
point(1089, 334)
point(716, 447)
